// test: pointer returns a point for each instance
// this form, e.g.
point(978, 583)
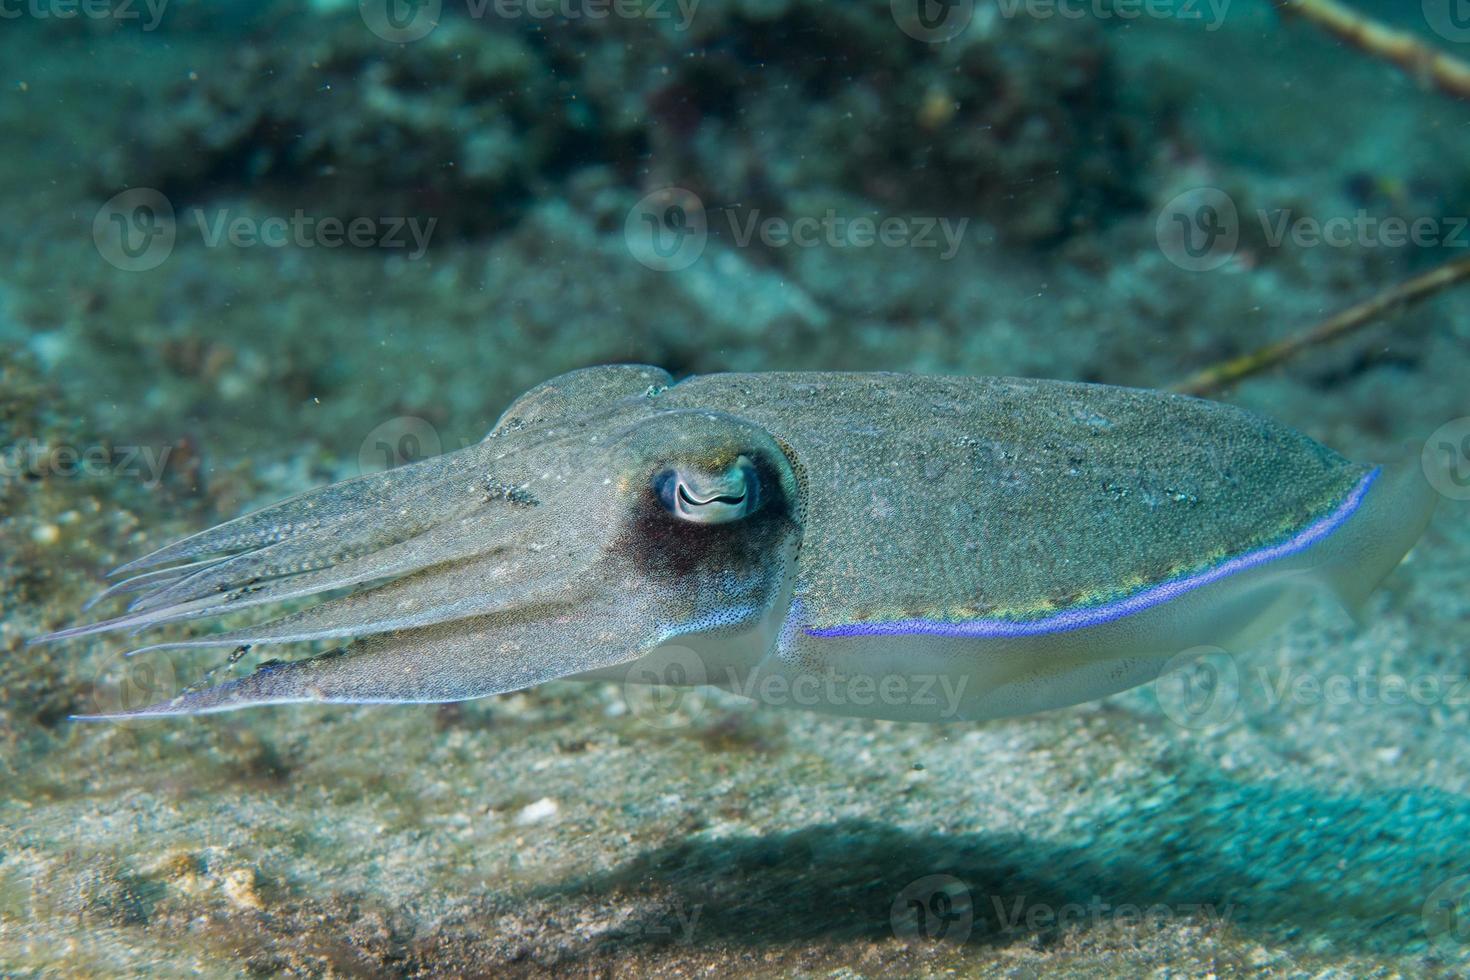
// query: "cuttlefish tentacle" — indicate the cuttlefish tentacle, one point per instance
point(380, 535)
point(447, 544)
point(462, 519)
point(1035, 543)
point(231, 589)
point(314, 514)
point(149, 581)
point(407, 603)
point(452, 661)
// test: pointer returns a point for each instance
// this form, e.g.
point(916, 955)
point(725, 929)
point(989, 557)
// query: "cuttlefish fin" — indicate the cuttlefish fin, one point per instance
point(1393, 516)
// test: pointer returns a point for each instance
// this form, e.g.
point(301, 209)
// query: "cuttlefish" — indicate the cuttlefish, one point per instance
point(1030, 544)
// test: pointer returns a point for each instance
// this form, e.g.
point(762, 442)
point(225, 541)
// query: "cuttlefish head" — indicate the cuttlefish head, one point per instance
point(591, 527)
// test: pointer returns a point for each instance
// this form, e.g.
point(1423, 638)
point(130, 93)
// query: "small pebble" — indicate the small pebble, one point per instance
point(239, 887)
point(539, 812)
point(46, 534)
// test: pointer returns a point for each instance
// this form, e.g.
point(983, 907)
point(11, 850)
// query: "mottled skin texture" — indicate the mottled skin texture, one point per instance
point(957, 498)
point(611, 513)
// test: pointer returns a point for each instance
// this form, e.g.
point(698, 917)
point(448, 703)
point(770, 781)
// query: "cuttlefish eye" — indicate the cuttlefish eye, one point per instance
point(691, 494)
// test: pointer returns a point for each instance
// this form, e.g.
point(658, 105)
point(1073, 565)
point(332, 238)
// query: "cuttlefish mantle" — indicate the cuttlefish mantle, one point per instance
point(1019, 544)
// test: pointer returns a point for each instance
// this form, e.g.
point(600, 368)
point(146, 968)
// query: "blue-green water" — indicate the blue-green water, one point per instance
point(253, 249)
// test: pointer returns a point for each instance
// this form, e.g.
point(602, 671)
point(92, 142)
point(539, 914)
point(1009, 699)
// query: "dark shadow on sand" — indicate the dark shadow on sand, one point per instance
point(1268, 861)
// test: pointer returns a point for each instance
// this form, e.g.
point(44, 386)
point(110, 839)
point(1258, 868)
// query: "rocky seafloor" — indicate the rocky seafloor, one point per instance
point(1318, 829)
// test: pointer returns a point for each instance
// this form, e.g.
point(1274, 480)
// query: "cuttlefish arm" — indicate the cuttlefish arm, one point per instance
point(1042, 541)
point(585, 531)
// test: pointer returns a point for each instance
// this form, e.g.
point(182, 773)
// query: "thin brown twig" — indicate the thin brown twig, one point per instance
point(1426, 64)
point(1393, 299)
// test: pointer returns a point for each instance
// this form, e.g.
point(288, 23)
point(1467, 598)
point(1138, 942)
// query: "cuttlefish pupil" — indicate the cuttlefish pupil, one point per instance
point(702, 498)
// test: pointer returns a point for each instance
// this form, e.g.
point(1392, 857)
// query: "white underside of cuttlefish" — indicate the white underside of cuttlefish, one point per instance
point(899, 546)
